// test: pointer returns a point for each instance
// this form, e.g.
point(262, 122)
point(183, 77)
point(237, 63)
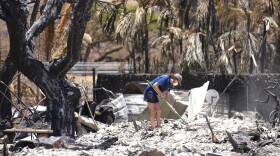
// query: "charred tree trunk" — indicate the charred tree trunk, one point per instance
point(145, 42)
point(62, 96)
point(134, 58)
point(186, 15)
point(249, 43)
point(7, 72)
point(263, 47)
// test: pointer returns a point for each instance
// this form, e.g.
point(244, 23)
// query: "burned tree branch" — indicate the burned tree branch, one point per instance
point(4, 6)
point(34, 12)
point(81, 16)
point(50, 14)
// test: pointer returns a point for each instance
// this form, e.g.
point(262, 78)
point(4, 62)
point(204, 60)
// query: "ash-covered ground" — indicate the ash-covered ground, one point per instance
point(173, 138)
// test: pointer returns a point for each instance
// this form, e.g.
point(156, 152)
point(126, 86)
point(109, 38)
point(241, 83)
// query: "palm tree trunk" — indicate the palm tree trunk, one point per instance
point(263, 48)
point(249, 44)
point(134, 59)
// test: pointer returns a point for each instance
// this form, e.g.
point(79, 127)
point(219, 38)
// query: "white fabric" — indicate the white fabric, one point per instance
point(197, 97)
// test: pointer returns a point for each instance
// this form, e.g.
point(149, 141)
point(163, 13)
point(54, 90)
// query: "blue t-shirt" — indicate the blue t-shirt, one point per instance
point(164, 84)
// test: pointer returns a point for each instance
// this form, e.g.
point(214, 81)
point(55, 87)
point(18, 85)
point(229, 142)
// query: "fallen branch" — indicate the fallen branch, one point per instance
point(214, 138)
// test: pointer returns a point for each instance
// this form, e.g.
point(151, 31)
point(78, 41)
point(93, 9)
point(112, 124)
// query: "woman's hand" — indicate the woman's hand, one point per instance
point(161, 95)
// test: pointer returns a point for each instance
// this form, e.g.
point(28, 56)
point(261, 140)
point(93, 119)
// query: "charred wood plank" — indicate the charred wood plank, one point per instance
point(41, 131)
point(104, 145)
point(239, 146)
point(265, 142)
point(108, 143)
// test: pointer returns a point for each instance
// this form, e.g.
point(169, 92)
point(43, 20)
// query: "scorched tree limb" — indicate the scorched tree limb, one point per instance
point(61, 95)
point(81, 15)
point(50, 14)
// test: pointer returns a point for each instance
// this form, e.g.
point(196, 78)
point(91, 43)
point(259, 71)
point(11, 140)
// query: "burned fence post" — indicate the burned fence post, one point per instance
point(93, 83)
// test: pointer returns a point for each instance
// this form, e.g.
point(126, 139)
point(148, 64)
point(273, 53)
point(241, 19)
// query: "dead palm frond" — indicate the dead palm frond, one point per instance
point(251, 45)
point(103, 9)
point(173, 36)
point(241, 39)
point(224, 62)
point(139, 17)
point(163, 40)
point(124, 30)
point(176, 32)
point(237, 15)
point(193, 54)
point(110, 11)
point(203, 8)
point(163, 15)
point(150, 3)
point(125, 24)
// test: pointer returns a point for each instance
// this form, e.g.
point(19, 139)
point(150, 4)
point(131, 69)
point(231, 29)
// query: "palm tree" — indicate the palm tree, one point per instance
point(132, 29)
point(168, 43)
point(223, 24)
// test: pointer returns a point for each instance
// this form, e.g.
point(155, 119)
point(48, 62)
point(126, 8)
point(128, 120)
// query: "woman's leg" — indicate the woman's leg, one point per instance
point(151, 114)
point(158, 113)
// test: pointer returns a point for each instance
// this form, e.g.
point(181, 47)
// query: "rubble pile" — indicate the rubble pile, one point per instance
point(173, 138)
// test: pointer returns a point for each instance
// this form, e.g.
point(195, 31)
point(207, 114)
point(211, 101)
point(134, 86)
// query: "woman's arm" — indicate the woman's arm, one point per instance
point(156, 87)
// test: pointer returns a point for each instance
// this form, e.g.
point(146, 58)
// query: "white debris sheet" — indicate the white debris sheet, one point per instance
point(196, 100)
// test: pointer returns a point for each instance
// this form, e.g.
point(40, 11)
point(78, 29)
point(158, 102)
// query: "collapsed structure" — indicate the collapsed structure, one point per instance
point(113, 118)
